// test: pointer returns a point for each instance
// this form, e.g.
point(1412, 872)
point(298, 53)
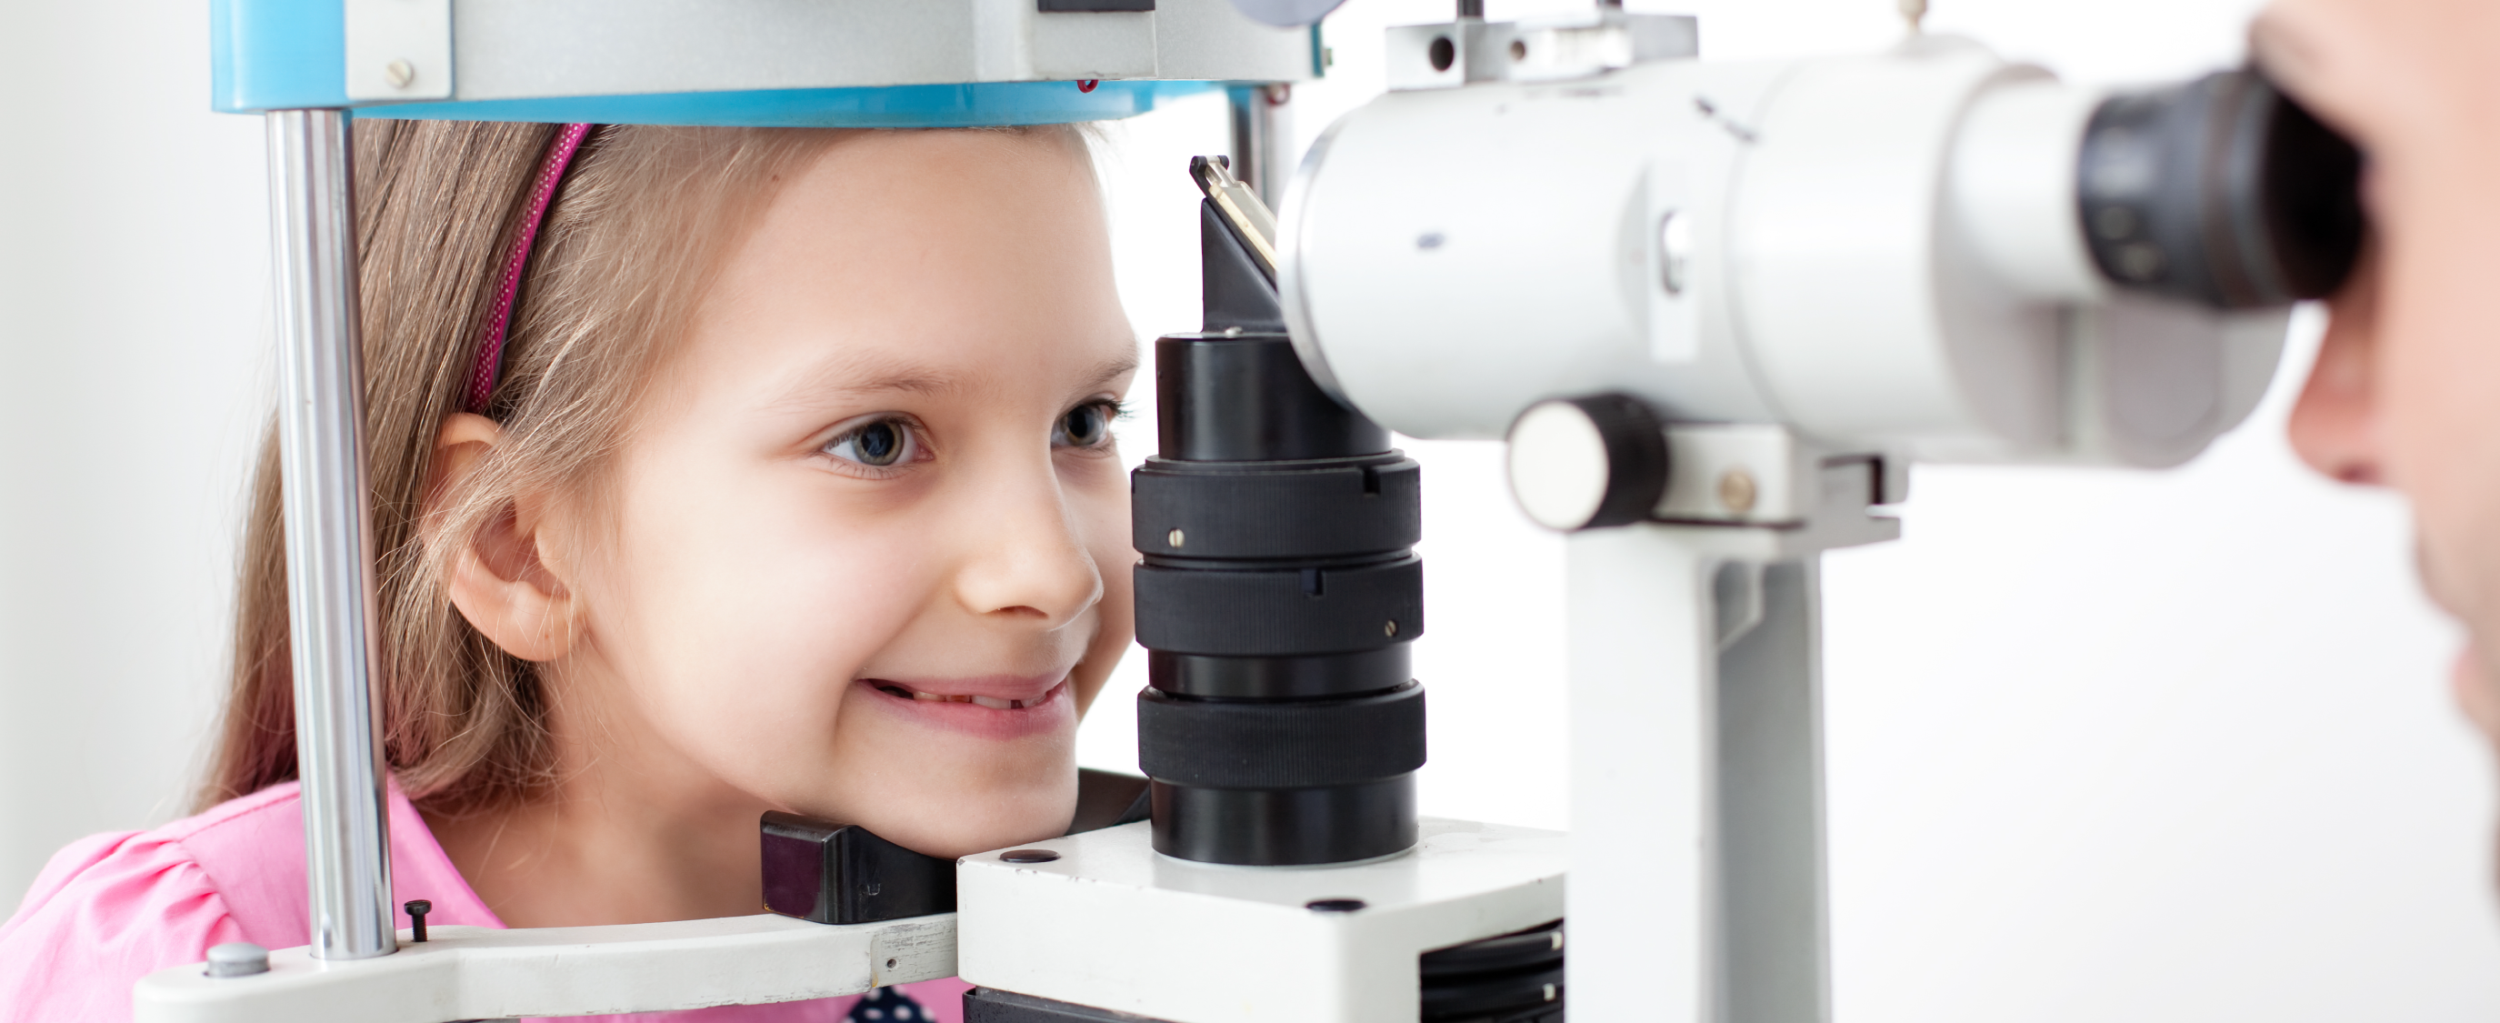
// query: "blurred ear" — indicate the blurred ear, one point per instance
point(502, 578)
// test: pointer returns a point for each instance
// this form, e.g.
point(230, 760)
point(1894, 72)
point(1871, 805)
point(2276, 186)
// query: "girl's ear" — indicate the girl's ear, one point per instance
point(501, 577)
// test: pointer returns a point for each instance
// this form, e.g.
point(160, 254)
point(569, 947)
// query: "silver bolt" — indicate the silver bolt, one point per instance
point(237, 959)
point(1915, 12)
point(1737, 491)
point(1389, 628)
point(1175, 538)
point(1232, 332)
point(400, 73)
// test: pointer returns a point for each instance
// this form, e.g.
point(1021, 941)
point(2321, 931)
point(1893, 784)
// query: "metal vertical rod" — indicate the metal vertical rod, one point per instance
point(329, 538)
point(1263, 152)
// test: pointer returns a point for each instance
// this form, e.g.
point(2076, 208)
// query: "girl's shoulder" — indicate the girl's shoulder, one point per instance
point(115, 907)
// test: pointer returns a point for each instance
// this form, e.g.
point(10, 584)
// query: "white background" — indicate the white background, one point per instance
point(2104, 745)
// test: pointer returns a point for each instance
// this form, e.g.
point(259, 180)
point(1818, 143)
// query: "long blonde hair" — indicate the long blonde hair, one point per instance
point(633, 237)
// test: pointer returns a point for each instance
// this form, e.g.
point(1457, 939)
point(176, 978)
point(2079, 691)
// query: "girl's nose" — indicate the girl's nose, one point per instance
point(1025, 559)
point(2335, 426)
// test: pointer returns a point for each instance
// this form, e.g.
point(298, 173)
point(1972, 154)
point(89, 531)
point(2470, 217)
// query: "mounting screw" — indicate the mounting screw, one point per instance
point(237, 959)
point(1027, 856)
point(1738, 491)
point(1335, 905)
point(889, 964)
point(400, 73)
point(417, 909)
point(1389, 628)
point(1175, 538)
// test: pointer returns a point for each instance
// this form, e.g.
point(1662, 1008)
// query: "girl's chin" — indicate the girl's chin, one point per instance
point(973, 822)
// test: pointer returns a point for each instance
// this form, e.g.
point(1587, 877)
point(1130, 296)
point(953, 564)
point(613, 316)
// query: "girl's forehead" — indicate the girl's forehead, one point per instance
point(921, 262)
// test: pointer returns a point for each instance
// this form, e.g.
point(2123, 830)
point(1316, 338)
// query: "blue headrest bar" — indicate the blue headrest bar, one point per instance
point(290, 55)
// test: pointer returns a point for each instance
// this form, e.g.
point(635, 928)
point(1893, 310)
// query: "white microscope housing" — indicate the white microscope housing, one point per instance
point(1882, 252)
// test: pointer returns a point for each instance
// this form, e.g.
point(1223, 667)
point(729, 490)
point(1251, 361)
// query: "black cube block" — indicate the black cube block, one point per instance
point(844, 874)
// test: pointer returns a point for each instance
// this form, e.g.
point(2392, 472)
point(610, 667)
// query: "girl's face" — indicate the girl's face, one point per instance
point(871, 555)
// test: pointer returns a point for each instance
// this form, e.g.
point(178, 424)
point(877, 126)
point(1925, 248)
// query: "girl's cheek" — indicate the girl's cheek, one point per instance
point(768, 623)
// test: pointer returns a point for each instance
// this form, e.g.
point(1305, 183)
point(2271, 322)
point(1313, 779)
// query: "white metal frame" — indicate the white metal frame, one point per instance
point(1697, 870)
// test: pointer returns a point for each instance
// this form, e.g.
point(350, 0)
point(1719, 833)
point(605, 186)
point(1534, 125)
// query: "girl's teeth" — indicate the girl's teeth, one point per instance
point(992, 702)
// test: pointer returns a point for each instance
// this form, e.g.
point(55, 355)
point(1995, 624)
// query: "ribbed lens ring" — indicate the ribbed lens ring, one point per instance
point(1272, 744)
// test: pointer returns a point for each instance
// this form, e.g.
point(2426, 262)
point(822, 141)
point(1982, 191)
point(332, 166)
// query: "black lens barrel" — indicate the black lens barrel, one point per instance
point(1277, 596)
point(2221, 191)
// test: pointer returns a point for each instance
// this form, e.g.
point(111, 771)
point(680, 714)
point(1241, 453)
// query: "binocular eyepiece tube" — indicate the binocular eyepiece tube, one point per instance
point(2221, 191)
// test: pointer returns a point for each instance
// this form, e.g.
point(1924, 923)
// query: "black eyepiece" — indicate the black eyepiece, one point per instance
point(2221, 191)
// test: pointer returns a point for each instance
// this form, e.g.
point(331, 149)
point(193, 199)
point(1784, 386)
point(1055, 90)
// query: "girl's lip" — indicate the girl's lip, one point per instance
point(1032, 709)
point(988, 688)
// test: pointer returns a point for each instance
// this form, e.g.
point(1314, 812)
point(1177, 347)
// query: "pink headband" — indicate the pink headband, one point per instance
point(542, 194)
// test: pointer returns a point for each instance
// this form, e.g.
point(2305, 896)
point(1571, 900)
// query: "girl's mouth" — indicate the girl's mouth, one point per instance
point(992, 702)
point(997, 707)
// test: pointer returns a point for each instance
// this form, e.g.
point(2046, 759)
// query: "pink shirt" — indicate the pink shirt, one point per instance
point(112, 908)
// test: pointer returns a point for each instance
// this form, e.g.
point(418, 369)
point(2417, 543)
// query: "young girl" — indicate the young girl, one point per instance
point(785, 483)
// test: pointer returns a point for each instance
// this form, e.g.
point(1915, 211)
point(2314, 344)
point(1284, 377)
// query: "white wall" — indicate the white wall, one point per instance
point(2104, 745)
point(133, 275)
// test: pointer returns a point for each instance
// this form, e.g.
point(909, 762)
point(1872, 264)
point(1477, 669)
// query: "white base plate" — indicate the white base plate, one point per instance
point(1115, 925)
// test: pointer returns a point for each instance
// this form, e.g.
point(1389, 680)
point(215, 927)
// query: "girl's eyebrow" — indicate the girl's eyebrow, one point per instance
point(1113, 368)
point(850, 376)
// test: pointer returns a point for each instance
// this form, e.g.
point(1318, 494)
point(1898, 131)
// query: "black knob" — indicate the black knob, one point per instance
point(1587, 463)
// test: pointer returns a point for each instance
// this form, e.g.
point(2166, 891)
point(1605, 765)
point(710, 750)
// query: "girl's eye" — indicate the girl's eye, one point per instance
point(1085, 426)
point(885, 442)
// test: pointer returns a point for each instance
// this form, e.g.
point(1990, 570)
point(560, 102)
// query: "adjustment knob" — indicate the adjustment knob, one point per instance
point(1585, 463)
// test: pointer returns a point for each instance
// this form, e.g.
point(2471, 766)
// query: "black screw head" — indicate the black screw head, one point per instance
point(1027, 856)
point(417, 909)
point(1335, 905)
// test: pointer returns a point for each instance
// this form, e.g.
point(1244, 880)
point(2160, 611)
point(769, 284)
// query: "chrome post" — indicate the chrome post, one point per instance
point(329, 539)
point(1262, 153)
